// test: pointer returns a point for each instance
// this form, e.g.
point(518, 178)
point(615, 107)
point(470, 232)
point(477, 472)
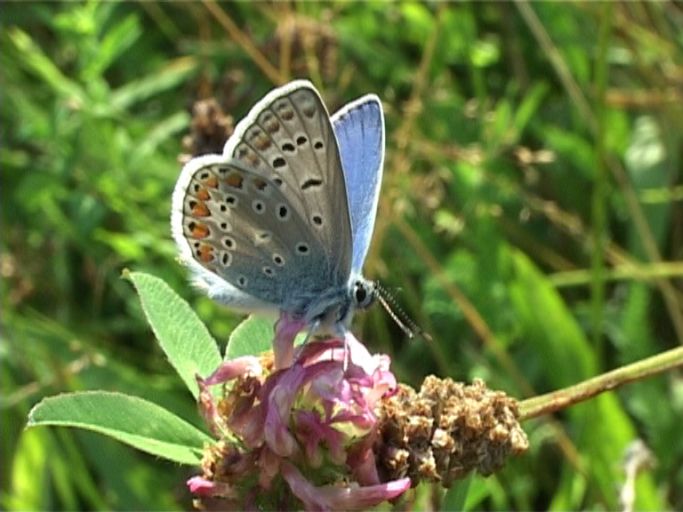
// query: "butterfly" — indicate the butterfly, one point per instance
point(282, 220)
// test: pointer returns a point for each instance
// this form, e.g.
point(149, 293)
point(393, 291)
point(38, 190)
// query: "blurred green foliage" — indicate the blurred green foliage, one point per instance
point(530, 218)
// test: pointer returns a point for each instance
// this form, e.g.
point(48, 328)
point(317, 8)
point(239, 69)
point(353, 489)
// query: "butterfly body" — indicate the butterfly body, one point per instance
point(269, 226)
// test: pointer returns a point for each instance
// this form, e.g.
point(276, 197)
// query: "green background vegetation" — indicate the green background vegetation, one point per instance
point(530, 218)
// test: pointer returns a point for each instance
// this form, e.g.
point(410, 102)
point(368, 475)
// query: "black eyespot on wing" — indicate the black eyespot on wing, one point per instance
point(302, 248)
point(313, 182)
point(318, 144)
point(279, 162)
point(288, 147)
point(301, 140)
point(258, 206)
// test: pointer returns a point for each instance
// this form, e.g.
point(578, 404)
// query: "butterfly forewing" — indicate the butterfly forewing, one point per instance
point(288, 138)
point(359, 128)
point(242, 227)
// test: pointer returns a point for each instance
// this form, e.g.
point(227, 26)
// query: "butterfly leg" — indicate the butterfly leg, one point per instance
point(314, 328)
point(341, 332)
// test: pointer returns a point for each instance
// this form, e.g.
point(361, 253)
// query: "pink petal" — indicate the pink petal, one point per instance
point(199, 485)
point(207, 408)
point(315, 351)
point(234, 368)
point(361, 461)
point(286, 329)
point(280, 401)
point(312, 431)
point(332, 497)
point(269, 465)
point(203, 487)
point(359, 354)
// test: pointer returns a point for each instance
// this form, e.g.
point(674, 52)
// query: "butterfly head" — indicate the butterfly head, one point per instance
point(363, 293)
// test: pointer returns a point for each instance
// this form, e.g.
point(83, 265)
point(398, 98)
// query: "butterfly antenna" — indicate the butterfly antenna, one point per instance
point(406, 324)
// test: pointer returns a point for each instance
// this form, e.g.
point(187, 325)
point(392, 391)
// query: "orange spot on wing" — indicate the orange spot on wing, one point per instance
point(200, 231)
point(262, 142)
point(203, 194)
point(235, 180)
point(253, 160)
point(260, 184)
point(205, 253)
point(201, 210)
point(211, 181)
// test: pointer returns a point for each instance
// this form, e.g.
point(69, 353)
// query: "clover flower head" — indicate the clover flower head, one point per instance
point(300, 435)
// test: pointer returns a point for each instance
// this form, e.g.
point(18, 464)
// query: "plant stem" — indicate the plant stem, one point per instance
point(562, 398)
point(601, 186)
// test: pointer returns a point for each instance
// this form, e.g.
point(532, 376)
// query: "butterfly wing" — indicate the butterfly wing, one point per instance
point(288, 138)
point(244, 239)
point(359, 128)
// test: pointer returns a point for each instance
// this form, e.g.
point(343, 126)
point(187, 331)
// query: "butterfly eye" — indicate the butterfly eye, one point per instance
point(363, 294)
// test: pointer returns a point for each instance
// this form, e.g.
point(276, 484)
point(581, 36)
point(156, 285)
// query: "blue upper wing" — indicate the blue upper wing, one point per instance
point(359, 127)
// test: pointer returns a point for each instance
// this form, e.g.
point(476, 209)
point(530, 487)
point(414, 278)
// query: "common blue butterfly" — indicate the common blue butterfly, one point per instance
point(282, 220)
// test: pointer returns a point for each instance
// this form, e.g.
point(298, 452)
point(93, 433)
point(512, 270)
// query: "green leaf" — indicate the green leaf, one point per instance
point(115, 42)
point(250, 338)
point(131, 420)
point(547, 325)
point(184, 338)
point(34, 59)
point(254, 336)
point(455, 497)
point(153, 83)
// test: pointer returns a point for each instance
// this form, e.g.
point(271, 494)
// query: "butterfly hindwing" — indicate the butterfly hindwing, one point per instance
point(238, 225)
